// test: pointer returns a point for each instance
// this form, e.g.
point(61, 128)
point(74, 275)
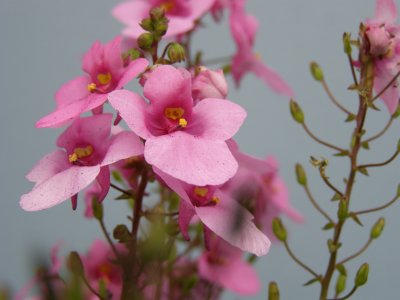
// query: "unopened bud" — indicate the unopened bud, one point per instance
point(342, 210)
point(147, 24)
point(279, 230)
point(316, 71)
point(340, 284)
point(75, 264)
point(296, 112)
point(377, 229)
point(176, 53)
point(132, 54)
point(160, 28)
point(362, 275)
point(301, 175)
point(346, 43)
point(121, 233)
point(97, 209)
point(157, 13)
point(273, 291)
point(396, 114)
point(145, 41)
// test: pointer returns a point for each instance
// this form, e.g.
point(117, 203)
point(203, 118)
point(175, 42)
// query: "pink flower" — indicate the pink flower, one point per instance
point(218, 8)
point(382, 35)
point(223, 265)
point(219, 213)
point(184, 141)
point(89, 149)
point(182, 14)
point(243, 28)
point(258, 187)
point(105, 72)
point(209, 84)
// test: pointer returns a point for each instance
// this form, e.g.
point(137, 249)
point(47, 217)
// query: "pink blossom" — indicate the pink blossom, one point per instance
point(223, 265)
point(105, 72)
point(382, 35)
point(184, 141)
point(258, 187)
point(243, 28)
point(219, 212)
point(218, 8)
point(182, 14)
point(209, 84)
point(88, 151)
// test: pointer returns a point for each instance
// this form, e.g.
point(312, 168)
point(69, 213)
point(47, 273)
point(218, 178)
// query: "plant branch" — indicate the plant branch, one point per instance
point(319, 140)
point(357, 253)
point(353, 71)
point(121, 190)
point(315, 204)
point(366, 211)
point(386, 87)
point(333, 98)
point(382, 163)
point(379, 134)
point(347, 296)
point(298, 261)
point(114, 249)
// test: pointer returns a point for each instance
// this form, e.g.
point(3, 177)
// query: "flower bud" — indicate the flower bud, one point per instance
point(147, 24)
point(340, 284)
point(176, 53)
point(380, 42)
point(301, 175)
point(362, 275)
point(346, 43)
point(121, 233)
point(75, 264)
point(145, 41)
point(273, 291)
point(342, 210)
point(209, 84)
point(316, 71)
point(97, 209)
point(157, 14)
point(377, 229)
point(296, 112)
point(279, 230)
point(160, 28)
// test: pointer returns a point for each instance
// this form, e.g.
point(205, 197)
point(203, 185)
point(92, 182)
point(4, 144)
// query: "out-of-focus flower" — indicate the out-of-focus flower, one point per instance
point(184, 141)
point(105, 72)
point(89, 149)
point(209, 84)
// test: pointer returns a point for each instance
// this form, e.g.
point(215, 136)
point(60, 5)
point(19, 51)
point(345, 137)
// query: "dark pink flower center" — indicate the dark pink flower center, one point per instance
point(203, 196)
point(81, 155)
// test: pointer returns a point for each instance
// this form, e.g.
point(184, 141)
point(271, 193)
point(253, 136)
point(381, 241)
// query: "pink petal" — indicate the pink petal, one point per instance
point(73, 90)
point(51, 164)
point(167, 84)
point(103, 179)
point(134, 69)
point(131, 12)
point(217, 119)
point(272, 79)
point(112, 55)
point(59, 188)
point(123, 145)
point(223, 219)
point(386, 11)
point(391, 96)
point(234, 275)
point(191, 159)
point(186, 213)
point(131, 108)
point(199, 8)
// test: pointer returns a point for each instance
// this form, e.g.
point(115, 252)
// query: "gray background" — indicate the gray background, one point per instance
point(40, 49)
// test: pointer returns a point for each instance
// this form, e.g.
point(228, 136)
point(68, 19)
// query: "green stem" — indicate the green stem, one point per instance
point(298, 261)
point(307, 130)
point(357, 253)
point(388, 161)
point(315, 204)
point(382, 132)
point(362, 212)
point(347, 296)
point(333, 98)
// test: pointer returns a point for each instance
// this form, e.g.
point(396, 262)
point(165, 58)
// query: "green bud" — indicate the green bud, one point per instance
point(342, 210)
point(97, 209)
point(74, 264)
point(316, 71)
point(396, 113)
point(273, 291)
point(132, 54)
point(121, 233)
point(332, 247)
point(279, 230)
point(340, 284)
point(145, 41)
point(157, 14)
point(377, 229)
point(301, 175)
point(346, 43)
point(296, 112)
point(176, 53)
point(147, 24)
point(160, 28)
point(362, 275)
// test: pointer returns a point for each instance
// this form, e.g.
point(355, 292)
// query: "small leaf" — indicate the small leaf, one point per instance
point(342, 153)
point(328, 226)
point(350, 117)
point(336, 197)
point(124, 196)
point(365, 145)
point(311, 281)
point(332, 246)
point(363, 171)
point(342, 269)
point(341, 284)
point(117, 176)
point(355, 218)
point(353, 87)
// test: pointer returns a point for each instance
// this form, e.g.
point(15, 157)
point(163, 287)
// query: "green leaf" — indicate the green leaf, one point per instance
point(365, 145)
point(350, 118)
point(355, 218)
point(328, 226)
point(342, 269)
point(311, 281)
point(363, 171)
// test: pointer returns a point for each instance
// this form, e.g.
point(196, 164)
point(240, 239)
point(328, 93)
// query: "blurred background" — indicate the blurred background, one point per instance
point(42, 42)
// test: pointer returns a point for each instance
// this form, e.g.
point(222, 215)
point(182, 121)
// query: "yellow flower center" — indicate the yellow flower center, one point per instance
point(176, 113)
point(200, 191)
point(104, 78)
point(168, 5)
point(80, 153)
point(91, 87)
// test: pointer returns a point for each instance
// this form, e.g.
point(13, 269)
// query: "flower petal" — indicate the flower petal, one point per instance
point(191, 159)
point(132, 70)
point(391, 96)
point(186, 213)
point(131, 12)
point(386, 11)
point(59, 188)
point(73, 90)
point(51, 164)
point(233, 223)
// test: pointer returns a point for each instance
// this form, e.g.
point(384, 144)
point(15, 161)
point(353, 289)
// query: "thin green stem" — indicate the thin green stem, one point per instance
point(315, 204)
point(386, 87)
point(165, 50)
point(121, 190)
point(366, 211)
point(307, 130)
point(333, 98)
point(353, 71)
point(388, 161)
point(114, 249)
point(357, 253)
point(298, 261)
point(91, 289)
point(348, 295)
point(379, 134)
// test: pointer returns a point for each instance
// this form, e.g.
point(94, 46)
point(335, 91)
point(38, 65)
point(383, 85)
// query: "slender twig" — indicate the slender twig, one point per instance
point(386, 87)
point(382, 163)
point(298, 261)
point(163, 214)
point(366, 211)
point(165, 50)
point(315, 204)
point(333, 98)
point(121, 190)
point(379, 134)
point(359, 252)
point(319, 140)
point(353, 71)
point(348, 295)
point(329, 184)
point(114, 249)
point(86, 282)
